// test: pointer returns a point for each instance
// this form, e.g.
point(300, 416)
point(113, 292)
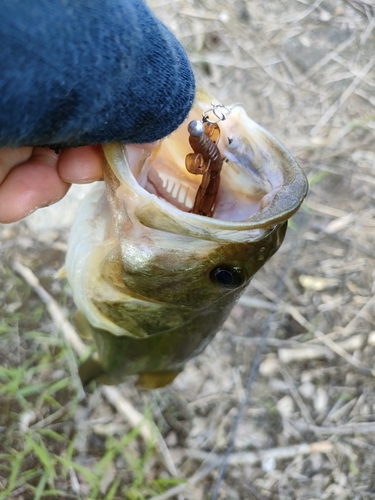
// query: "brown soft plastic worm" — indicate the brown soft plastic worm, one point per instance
point(206, 161)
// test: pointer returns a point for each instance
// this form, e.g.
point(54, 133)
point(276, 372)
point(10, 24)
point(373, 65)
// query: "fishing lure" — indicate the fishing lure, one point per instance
point(207, 161)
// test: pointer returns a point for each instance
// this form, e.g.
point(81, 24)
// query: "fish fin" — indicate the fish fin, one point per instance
point(82, 325)
point(91, 370)
point(156, 380)
point(61, 273)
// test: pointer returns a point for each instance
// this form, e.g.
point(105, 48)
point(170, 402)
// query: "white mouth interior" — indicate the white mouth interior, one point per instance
point(246, 185)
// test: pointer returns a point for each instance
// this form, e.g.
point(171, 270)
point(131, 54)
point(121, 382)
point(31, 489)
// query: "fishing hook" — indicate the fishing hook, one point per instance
point(219, 110)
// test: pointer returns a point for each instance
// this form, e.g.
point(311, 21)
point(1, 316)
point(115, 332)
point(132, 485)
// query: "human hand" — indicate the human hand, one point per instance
point(32, 178)
point(114, 73)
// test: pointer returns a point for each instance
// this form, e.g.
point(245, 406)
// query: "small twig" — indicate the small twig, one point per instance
point(256, 303)
point(296, 396)
point(340, 351)
point(251, 458)
point(340, 223)
point(339, 430)
point(254, 492)
point(74, 482)
point(296, 18)
point(305, 352)
point(196, 478)
point(368, 31)
point(127, 410)
point(147, 430)
point(324, 209)
point(272, 341)
point(339, 410)
point(350, 327)
point(54, 416)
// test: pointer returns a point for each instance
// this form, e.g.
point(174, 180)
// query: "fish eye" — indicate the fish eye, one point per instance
point(227, 276)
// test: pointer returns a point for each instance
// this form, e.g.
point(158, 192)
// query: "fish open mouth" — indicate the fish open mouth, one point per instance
point(249, 177)
point(260, 184)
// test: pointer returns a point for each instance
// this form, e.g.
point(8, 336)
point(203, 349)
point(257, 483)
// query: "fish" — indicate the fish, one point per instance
point(154, 267)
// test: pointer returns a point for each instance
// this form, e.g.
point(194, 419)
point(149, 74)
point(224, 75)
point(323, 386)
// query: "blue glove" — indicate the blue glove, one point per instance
point(78, 72)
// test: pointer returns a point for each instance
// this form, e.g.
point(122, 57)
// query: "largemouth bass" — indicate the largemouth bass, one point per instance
point(153, 272)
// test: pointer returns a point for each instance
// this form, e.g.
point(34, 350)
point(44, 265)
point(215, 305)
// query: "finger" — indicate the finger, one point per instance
point(81, 165)
point(10, 157)
point(31, 185)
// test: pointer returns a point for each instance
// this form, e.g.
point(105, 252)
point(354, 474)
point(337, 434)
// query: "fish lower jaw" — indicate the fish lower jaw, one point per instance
point(180, 194)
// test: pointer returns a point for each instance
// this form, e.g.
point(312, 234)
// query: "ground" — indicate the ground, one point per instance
point(300, 424)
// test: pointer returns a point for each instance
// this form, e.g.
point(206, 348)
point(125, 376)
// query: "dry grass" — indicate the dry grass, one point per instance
point(306, 71)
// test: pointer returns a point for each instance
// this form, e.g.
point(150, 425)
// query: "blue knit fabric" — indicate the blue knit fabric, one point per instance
point(76, 72)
